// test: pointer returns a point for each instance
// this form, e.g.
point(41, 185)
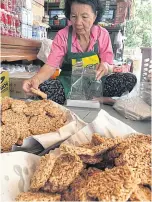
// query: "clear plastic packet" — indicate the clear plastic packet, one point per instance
point(84, 85)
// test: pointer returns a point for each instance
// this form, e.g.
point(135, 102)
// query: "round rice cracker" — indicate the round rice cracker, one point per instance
point(9, 136)
point(18, 106)
point(37, 196)
point(44, 124)
point(36, 108)
point(6, 103)
point(23, 130)
point(10, 117)
point(53, 111)
point(13, 134)
point(40, 124)
point(56, 123)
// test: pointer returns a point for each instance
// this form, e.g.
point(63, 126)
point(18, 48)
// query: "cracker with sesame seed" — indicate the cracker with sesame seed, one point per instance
point(10, 117)
point(66, 168)
point(6, 103)
point(141, 194)
point(43, 172)
point(116, 184)
point(37, 196)
point(9, 136)
point(18, 106)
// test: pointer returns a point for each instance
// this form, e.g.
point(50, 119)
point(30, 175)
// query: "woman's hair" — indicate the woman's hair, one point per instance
point(95, 5)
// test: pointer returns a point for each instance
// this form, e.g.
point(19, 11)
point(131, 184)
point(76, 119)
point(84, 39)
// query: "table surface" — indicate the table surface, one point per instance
point(88, 115)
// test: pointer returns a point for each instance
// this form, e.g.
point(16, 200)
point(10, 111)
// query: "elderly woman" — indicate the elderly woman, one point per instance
point(83, 38)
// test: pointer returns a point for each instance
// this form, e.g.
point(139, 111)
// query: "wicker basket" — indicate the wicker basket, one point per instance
point(146, 75)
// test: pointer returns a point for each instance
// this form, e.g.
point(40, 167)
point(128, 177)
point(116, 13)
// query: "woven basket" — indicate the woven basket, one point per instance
point(146, 75)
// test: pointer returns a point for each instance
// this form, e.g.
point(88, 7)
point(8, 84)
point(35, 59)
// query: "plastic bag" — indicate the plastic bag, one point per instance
point(132, 105)
point(45, 50)
point(118, 41)
point(84, 84)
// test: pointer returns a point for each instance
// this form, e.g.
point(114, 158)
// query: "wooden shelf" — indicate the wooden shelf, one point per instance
point(17, 57)
point(48, 6)
point(51, 4)
point(57, 27)
point(13, 49)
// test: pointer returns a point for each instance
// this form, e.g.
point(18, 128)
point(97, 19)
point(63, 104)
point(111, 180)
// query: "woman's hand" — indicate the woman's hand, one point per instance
point(44, 74)
point(117, 69)
point(101, 70)
point(34, 82)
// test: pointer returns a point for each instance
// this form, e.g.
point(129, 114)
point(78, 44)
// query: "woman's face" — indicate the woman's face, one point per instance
point(82, 18)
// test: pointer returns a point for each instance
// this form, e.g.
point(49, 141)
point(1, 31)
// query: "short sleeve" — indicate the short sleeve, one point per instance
point(58, 49)
point(105, 47)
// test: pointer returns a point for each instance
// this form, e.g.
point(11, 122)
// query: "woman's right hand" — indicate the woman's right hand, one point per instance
point(34, 82)
point(44, 74)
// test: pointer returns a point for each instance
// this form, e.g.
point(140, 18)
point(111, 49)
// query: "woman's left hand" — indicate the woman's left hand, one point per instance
point(101, 70)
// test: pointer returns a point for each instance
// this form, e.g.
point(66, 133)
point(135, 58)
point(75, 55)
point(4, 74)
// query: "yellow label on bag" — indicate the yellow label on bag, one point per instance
point(87, 61)
point(4, 85)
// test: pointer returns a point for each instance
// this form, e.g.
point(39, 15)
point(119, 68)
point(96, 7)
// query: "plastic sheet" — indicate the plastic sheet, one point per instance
point(84, 84)
point(135, 105)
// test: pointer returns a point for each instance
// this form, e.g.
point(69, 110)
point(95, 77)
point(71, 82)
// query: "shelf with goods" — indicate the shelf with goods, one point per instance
point(14, 49)
point(49, 5)
point(23, 19)
point(19, 44)
point(114, 20)
point(18, 61)
point(57, 19)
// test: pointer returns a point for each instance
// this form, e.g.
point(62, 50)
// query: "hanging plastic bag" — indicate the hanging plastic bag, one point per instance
point(118, 41)
point(45, 50)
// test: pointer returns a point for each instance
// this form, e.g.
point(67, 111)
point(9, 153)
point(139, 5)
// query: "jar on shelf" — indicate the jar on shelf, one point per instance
point(17, 26)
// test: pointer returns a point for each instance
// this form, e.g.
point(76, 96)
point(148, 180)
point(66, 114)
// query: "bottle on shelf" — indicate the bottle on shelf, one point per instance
point(11, 24)
point(9, 5)
point(17, 26)
point(5, 21)
point(13, 5)
point(4, 4)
